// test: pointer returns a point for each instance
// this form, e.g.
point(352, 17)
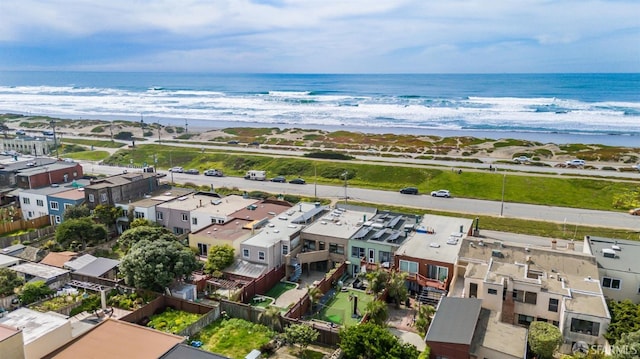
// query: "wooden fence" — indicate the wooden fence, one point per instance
point(262, 284)
point(29, 236)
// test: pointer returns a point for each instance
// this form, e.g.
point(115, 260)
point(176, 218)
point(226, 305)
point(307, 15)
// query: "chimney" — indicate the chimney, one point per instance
point(571, 245)
point(554, 244)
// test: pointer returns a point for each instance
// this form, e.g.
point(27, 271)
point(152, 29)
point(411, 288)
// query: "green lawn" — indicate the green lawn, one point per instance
point(88, 155)
point(280, 288)
point(339, 309)
point(588, 193)
point(96, 143)
point(234, 338)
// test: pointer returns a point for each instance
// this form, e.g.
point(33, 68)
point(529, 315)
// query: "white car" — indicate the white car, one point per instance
point(176, 169)
point(575, 163)
point(441, 193)
point(521, 159)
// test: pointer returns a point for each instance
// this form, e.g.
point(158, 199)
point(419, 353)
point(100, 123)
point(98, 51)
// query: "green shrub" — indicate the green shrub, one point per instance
point(97, 129)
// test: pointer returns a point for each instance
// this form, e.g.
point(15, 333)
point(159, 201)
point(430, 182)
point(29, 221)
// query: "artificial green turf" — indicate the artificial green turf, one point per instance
point(344, 306)
point(279, 288)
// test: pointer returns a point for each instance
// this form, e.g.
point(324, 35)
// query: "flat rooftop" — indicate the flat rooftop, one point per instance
point(587, 304)
point(280, 227)
point(386, 227)
point(39, 270)
point(224, 207)
point(259, 210)
point(159, 197)
point(7, 331)
point(231, 230)
point(34, 324)
point(47, 168)
point(455, 320)
point(625, 253)
point(190, 202)
point(55, 188)
point(342, 222)
point(117, 339)
point(72, 194)
point(501, 337)
point(437, 238)
point(7, 261)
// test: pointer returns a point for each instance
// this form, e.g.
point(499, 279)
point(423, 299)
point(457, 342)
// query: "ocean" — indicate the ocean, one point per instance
point(557, 108)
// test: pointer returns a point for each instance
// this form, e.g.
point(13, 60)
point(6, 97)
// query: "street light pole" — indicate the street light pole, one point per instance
point(504, 181)
point(345, 174)
point(315, 181)
point(55, 140)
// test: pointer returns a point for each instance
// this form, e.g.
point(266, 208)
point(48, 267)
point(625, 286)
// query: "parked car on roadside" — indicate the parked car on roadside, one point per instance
point(214, 173)
point(441, 193)
point(297, 181)
point(634, 212)
point(176, 169)
point(192, 171)
point(279, 179)
point(576, 163)
point(409, 190)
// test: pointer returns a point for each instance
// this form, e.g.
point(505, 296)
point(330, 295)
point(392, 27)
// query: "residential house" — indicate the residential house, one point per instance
point(379, 238)
point(618, 266)
point(11, 165)
point(461, 328)
point(176, 214)
point(525, 283)
point(8, 261)
point(40, 176)
point(58, 259)
point(431, 252)
point(35, 202)
point(325, 242)
point(237, 226)
point(117, 339)
point(11, 342)
point(146, 207)
point(121, 188)
point(60, 201)
point(184, 351)
point(26, 253)
point(41, 332)
point(279, 234)
point(221, 210)
point(54, 277)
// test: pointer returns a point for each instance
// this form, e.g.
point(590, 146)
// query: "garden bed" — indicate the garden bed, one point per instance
point(234, 337)
point(173, 321)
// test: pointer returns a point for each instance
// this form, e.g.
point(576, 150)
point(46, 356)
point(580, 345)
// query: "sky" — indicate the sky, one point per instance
point(328, 36)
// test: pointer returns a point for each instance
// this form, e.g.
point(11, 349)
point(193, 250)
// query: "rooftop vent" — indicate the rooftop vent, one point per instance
point(616, 247)
point(608, 252)
point(497, 253)
point(434, 245)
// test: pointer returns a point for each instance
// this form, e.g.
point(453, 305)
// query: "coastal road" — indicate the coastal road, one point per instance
point(572, 217)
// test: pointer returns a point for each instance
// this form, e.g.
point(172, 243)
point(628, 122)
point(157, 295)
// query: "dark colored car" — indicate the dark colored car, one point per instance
point(233, 142)
point(279, 179)
point(192, 171)
point(297, 181)
point(409, 190)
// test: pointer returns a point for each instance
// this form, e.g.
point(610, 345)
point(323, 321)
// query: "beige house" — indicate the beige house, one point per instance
point(11, 342)
point(618, 266)
point(524, 283)
point(42, 332)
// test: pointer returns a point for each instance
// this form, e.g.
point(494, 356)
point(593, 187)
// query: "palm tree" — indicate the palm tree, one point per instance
point(272, 317)
point(378, 312)
point(397, 288)
point(377, 280)
point(425, 313)
point(314, 295)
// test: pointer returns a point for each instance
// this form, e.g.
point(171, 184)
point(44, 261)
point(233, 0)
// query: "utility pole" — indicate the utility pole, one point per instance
point(315, 181)
point(159, 129)
point(55, 140)
point(186, 126)
point(346, 175)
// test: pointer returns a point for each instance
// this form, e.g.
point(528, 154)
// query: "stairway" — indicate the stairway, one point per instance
point(297, 271)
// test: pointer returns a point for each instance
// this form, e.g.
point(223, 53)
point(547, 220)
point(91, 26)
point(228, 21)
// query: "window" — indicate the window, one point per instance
point(409, 267)
point(194, 221)
point(67, 205)
point(137, 214)
point(58, 219)
point(553, 305)
point(585, 327)
point(357, 252)
point(530, 297)
point(178, 230)
point(285, 249)
point(336, 248)
point(185, 217)
point(611, 283)
point(261, 255)
point(40, 203)
point(437, 272)
point(203, 249)
point(384, 256)
point(53, 204)
point(91, 198)
point(245, 253)
point(492, 291)
point(103, 197)
point(159, 216)
point(310, 245)
point(524, 319)
point(26, 200)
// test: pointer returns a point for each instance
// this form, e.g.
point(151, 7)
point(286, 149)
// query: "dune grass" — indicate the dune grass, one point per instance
point(96, 143)
point(88, 155)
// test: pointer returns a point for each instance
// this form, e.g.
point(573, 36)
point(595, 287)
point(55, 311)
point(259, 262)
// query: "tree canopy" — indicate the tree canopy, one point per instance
point(219, 258)
point(544, 339)
point(300, 334)
point(156, 264)
point(34, 291)
point(625, 318)
point(107, 215)
point(9, 281)
point(78, 233)
point(369, 341)
point(378, 312)
point(150, 233)
point(628, 346)
point(75, 212)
